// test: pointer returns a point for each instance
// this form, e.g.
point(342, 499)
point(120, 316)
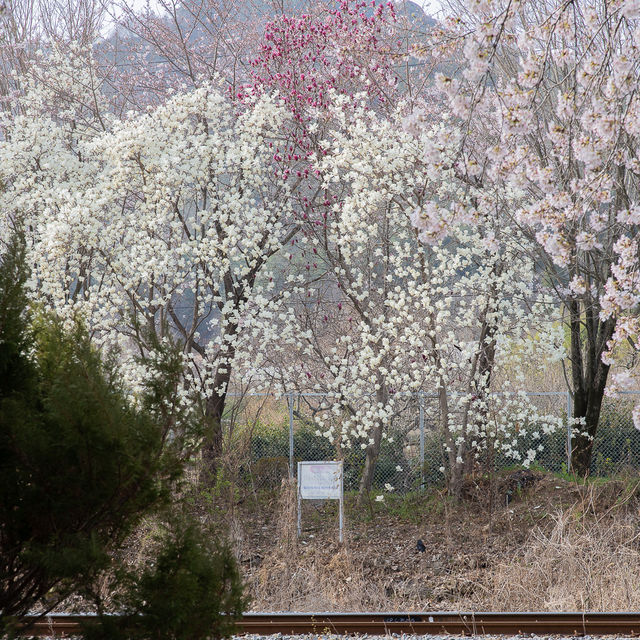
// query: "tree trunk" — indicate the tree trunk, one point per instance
point(481, 381)
point(456, 469)
point(213, 445)
point(373, 451)
point(589, 338)
point(587, 406)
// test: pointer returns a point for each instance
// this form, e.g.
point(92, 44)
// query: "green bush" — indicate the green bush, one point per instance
point(270, 444)
point(617, 445)
point(192, 591)
point(269, 472)
point(81, 465)
point(552, 457)
point(617, 442)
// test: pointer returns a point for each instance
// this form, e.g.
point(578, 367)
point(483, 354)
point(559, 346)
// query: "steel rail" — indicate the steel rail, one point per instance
point(418, 623)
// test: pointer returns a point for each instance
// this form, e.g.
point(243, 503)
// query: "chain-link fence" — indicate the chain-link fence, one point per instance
point(271, 434)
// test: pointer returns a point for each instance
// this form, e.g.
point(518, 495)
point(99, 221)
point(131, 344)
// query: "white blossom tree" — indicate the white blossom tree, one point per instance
point(163, 223)
point(381, 314)
point(29, 25)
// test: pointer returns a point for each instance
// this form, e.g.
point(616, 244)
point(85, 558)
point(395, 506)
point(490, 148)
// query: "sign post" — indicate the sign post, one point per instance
point(320, 481)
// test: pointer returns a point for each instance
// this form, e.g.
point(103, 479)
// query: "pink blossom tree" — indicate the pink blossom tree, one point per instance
point(332, 52)
point(546, 95)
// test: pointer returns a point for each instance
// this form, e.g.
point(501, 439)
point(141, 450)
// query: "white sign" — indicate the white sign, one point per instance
point(320, 481)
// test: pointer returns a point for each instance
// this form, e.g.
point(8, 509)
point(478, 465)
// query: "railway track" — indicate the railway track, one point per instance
point(458, 623)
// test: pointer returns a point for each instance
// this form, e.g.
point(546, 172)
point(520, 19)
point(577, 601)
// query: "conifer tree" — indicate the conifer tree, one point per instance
point(81, 463)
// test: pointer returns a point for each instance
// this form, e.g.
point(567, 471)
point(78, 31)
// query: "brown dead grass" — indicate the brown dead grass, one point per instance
point(558, 546)
point(589, 559)
point(295, 577)
point(576, 566)
point(315, 581)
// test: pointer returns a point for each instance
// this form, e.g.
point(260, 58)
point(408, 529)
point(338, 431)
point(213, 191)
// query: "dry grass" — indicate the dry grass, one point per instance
point(315, 582)
point(588, 560)
point(562, 546)
point(294, 577)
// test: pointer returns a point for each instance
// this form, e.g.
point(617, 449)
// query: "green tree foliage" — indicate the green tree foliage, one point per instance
point(15, 370)
point(192, 591)
point(81, 465)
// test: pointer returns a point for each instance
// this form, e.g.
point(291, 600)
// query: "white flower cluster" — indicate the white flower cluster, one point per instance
point(382, 314)
point(395, 277)
point(162, 222)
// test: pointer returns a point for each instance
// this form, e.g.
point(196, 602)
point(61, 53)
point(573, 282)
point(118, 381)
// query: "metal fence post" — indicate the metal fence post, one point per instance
point(569, 430)
point(421, 425)
point(290, 402)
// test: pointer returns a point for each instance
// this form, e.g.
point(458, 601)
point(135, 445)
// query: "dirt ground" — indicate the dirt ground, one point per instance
point(525, 541)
